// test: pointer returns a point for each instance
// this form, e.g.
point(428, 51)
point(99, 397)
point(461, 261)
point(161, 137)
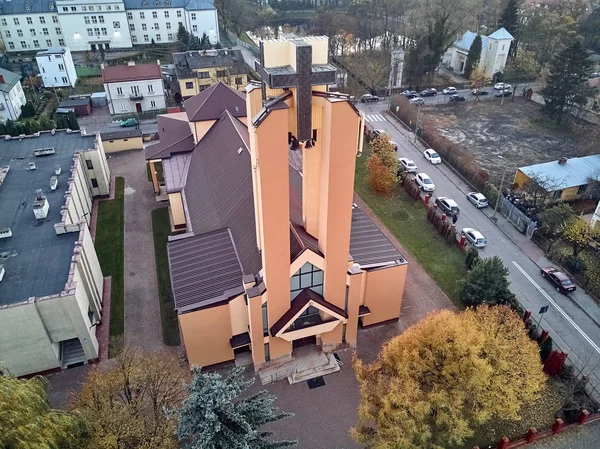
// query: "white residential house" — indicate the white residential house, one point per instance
point(81, 25)
point(494, 52)
point(56, 67)
point(12, 97)
point(134, 88)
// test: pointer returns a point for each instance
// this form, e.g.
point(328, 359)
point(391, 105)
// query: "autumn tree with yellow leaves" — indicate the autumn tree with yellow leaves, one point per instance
point(431, 385)
point(382, 165)
point(127, 403)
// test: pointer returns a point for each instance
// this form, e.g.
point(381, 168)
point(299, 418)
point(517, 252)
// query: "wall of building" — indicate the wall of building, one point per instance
point(16, 31)
point(158, 24)
point(383, 293)
point(199, 84)
point(12, 102)
point(205, 21)
point(119, 96)
point(595, 222)
point(130, 143)
point(570, 194)
point(99, 171)
point(201, 128)
point(206, 335)
point(57, 70)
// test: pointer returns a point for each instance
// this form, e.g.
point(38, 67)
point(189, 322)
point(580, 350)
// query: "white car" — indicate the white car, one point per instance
point(474, 237)
point(425, 182)
point(502, 86)
point(408, 164)
point(379, 132)
point(432, 156)
point(449, 90)
point(478, 200)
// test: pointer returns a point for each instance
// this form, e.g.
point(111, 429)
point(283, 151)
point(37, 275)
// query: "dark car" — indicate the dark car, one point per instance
point(368, 98)
point(457, 98)
point(428, 92)
point(479, 92)
point(561, 281)
point(448, 206)
point(410, 94)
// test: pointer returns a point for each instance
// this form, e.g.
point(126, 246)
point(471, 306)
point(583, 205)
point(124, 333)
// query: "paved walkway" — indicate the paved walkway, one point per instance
point(142, 310)
point(586, 437)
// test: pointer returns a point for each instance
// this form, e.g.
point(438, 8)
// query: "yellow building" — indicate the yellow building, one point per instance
point(122, 140)
point(199, 69)
point(276, 262)
point(564, 179)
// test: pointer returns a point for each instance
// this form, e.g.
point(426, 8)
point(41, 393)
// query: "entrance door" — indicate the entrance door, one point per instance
point(107, 46)
point(306, 341)
point(462, 66)
point(93, 47)
point(138, 107)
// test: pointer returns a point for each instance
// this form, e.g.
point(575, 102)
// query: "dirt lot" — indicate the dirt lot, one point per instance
point(516, 131)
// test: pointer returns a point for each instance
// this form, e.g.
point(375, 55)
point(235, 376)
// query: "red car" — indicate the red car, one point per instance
point(561, 281)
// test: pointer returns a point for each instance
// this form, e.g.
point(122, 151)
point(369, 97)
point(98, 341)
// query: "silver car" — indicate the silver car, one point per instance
point(474, 237)
point(478, 200)
point(424, 182)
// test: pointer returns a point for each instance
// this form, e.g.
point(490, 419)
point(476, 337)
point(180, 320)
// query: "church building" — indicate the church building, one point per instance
point(275, 257)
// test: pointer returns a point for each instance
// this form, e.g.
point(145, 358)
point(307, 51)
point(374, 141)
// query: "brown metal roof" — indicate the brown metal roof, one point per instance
point(298, 303)
point(205, 270)
point(368, 245)
point(218, 190)
point(210, 103)
point(175, 137)
point(122, 73)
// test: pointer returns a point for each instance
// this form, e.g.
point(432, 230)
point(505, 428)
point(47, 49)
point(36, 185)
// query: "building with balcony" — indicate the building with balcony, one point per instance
point(51, 284)
point(12, 96)
point(134, 88)
point(198, 70)
point(27, 25)
point(56, 67)
point(272, 256)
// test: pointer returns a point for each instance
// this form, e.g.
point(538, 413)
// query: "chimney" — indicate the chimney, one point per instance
point(40, 205)
point(1, 79)
point(101, 66)
point(562, 161)
point(158, 62)
point(130, 63)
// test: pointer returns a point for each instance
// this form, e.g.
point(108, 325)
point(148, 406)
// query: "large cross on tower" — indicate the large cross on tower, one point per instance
point(301, 74)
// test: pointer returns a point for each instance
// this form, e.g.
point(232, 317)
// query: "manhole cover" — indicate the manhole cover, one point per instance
point(316, 382)
point(132, 274)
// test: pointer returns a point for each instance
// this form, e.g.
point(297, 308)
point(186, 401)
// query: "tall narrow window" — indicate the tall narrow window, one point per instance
point(265, 320)
point(267, 353)
point(346, 300)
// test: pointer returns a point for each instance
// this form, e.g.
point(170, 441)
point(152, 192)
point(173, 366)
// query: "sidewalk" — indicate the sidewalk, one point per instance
point(584, 437)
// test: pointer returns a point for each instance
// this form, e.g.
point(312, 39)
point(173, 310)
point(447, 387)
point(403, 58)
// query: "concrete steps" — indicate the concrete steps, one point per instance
point(331, 366)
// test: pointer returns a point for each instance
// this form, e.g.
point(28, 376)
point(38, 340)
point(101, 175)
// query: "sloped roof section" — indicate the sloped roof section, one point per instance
point(577, 171)
point(10, 79)
point(205, 270)
point(138, 72)
point(501, 34)
point(218, 189)
point(175, 137)
point(210, 103)
point(465, 42)
point(368, 245)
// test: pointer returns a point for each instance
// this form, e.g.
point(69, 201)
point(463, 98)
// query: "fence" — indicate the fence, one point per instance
point(521, 221)
point(147, 115)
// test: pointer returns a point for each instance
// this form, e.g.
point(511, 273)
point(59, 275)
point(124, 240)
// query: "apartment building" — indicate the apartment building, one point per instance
point(27, 25)
point(56, 67)
point(134, 88)
point(200, 69)
point(12, 96)
point(51, 285)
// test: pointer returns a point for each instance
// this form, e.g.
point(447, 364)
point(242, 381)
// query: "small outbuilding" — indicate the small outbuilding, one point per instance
point(122, 140)
point(80, 106)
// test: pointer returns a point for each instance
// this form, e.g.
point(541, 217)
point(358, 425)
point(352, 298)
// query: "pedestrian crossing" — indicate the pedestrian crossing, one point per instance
point(375, 118)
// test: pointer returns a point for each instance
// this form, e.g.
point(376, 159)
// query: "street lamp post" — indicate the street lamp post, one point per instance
point(417, 123)
point(500, 192)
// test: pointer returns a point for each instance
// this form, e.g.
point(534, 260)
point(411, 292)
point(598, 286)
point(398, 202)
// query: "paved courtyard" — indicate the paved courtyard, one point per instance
point(142, 311)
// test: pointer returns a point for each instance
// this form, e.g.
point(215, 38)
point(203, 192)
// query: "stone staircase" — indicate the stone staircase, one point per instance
point(327, 365)
point(307, 363)
point(72, 353)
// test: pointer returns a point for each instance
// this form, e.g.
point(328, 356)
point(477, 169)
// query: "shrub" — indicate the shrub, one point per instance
point(381, 179)
point(472, 257)
point(545, 348)
point(574, 264)
point(27, 110)
point(491, 193)
point(552, 218)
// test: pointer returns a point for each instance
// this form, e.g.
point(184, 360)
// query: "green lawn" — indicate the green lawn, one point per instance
point(407, 220)
point(161, 229)
point(109, 247)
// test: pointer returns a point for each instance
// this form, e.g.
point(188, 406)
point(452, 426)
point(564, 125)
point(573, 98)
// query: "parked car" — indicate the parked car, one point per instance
point(408, 164)
point(416, 100)
point(378, 132)
point(425, 182)
point(410, 94)
point(449, 90)
point(502, 86)
point(429, 92)
point(506, 93)
point(395, 145)
point(432, 156)
point(478, 200)
point(368, 98)
point(474, 237)
point(561, 281)
point(457, 98)
point(479, 92)
point(129, 122)
point(448, 206)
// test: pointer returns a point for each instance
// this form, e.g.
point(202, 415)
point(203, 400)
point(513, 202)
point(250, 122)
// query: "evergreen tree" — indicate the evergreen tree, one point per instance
point(72, 121)
point(205, 42)
point(183, 38)
point(566, 85)
point(11, 128)
point(215, 417)
point(486, 283)
point(510, 21)
point(46, 123)
point(5, 63)
point(473, 56)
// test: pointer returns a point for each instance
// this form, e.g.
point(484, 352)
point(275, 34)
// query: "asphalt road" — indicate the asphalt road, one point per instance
point(575, 330)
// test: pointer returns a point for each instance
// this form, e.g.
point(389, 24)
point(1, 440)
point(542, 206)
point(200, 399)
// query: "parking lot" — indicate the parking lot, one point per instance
point(515, 131)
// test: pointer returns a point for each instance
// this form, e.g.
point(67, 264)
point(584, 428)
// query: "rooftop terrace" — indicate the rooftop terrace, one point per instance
point(35, 259)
